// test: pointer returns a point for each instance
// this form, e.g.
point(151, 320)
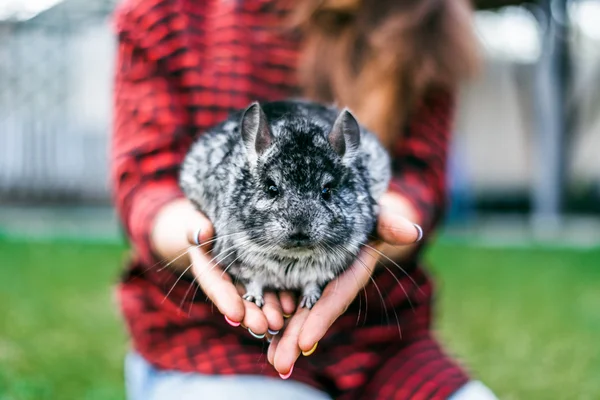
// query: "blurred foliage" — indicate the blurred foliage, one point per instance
point(525, 321)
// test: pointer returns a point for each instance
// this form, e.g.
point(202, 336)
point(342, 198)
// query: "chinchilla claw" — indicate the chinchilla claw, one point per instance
point(309, 300)
point(255, 298)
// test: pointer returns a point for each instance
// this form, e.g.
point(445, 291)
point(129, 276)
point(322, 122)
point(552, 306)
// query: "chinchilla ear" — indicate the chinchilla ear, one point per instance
point(345, 135)
point(255, 132)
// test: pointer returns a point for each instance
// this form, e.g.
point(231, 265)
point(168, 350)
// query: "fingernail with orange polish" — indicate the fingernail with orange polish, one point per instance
point(309, 352)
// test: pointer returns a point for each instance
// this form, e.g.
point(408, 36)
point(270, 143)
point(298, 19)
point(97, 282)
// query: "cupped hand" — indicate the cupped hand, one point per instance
point(182, 236)
point(307, 327)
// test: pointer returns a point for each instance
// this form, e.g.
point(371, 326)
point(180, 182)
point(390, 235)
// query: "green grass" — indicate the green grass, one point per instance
point(527, 322)
point(60, 334)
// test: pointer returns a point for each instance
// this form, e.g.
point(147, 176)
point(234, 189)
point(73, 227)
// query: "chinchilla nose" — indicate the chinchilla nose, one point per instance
point(299, 236)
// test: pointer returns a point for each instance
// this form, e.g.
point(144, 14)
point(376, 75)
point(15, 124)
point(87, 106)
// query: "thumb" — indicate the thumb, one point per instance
point(394, 229)
point(200, 229)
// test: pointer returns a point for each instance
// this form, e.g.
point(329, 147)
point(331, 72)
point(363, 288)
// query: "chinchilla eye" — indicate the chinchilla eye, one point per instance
point(272, 189)
point(326, 192)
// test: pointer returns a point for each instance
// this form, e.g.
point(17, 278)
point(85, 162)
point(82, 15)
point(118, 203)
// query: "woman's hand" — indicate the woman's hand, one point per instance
point(307, 327)
point(177, 230)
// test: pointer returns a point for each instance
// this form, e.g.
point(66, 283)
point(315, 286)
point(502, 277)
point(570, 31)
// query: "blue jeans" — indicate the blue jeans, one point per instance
point(144, 382)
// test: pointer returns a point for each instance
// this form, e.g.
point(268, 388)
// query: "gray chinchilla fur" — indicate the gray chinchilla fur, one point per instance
point(291, 188)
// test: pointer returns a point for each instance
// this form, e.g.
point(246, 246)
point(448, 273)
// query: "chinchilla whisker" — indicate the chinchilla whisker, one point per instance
point(184, 253)
point(395, 278)
point(195, 246)
point(357, 284)
point(261, 248)
point(380, 295)
point(385, 309)
point(337, 280)
point(367, 269)
point(237, 258)
point(236, 248)
point(196, 277)
point(395, 264)
point(230, 264)
point(360, 300)
point(391, 273)
point(376, 287)
point(175, 284)
point(222, 273)
point(170, 262)
point(240, 256)
point(194, 295)
point(186, 294)
point(190, 266)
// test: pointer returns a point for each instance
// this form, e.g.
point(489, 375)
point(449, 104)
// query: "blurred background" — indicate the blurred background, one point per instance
point(518, 259)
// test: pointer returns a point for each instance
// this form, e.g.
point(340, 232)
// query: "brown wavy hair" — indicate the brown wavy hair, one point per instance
point(380, 57)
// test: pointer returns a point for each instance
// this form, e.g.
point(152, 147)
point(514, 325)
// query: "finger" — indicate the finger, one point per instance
point(273, 312)
point(272, 349)
point(240, 289)
point(199, 230)
point(255, 320)
point(275, 338)
point(394, 229)
point(288, 303)
point(287, 350)
point(218, 289)
point(336, 298)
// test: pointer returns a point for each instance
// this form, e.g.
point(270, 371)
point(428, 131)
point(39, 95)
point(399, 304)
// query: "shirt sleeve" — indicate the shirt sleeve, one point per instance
point(150, 121)
point(420, 158)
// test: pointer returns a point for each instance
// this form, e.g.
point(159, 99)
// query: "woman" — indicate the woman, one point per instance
point(183, 65)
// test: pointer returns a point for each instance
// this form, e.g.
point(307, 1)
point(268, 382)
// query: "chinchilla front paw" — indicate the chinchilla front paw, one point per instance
point(309, 298)
point(255, 298)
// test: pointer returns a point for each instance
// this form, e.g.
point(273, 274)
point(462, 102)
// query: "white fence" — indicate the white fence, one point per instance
point(55, 91)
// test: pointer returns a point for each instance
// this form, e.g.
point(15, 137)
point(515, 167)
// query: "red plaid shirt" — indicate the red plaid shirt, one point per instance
point(183, 65)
